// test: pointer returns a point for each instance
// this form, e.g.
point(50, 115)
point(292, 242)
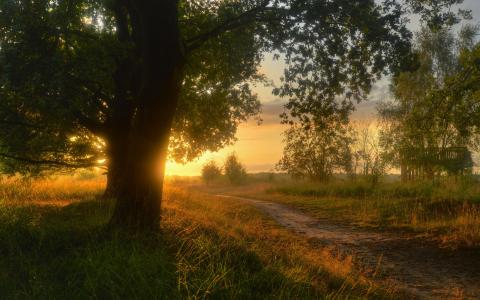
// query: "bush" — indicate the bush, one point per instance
point(317, 152)
point(211, 172)
point(234, 170)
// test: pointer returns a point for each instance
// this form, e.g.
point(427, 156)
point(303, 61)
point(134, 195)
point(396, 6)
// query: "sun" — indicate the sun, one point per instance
point(194, 167)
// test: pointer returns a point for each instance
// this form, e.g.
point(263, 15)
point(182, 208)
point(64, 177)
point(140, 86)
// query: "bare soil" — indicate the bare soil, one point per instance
point(411, 263)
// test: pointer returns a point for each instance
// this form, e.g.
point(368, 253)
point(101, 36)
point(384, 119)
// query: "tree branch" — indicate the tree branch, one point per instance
point(241, 20)
point(21, 124)
point(80, 33)
point(94, 126)
point(57, 163)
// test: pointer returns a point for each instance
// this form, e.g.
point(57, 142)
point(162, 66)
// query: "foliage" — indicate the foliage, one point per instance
point(332, 63)
point(317, 152)
point(368, 154)
point(462, 90)
point(234, 170)
point(65, 77)
point(438, 13)
point(211, 172)
point(71, 70)
point(421, 117)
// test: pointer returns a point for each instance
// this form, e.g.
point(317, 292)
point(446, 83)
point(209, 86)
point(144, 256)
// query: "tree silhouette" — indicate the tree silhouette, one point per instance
point(211, 172)
point(317, 152)
point(234, 170)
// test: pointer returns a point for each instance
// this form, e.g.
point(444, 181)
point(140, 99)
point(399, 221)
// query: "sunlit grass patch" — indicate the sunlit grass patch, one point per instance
point(207, 248)
point(282, 264)
point(447, 210)
point(59, 190)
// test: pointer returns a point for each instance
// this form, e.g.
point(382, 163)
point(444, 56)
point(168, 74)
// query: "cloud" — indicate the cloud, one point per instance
point(271, 112)
point(366, 111)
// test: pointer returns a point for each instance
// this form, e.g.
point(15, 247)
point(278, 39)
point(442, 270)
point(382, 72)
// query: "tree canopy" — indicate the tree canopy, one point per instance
point(317, 152)
point(211, 171)
point(462, 89)
point(429, 110)
point(62, 65)
point(234, 169)
point(66, 65)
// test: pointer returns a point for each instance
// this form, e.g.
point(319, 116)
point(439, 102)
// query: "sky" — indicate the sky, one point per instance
point(259, 147)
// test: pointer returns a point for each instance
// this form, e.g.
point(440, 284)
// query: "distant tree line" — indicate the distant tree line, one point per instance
point(433, 116)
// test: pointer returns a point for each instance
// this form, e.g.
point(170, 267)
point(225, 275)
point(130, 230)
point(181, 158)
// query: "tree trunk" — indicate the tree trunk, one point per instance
point(161, 56)
point(140, 191)
point(111, 188)
point(117, 156)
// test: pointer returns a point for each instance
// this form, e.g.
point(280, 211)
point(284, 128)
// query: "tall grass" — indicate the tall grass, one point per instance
point(448, 210)
point(241, 255)
point(207, 248)
point(58, 190)
point(460, 190)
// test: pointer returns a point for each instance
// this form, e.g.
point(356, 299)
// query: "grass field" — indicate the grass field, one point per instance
point(54, 245)
point(448, 211)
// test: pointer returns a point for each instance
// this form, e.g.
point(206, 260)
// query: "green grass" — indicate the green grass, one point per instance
point(448, 211)
point(64, 253)
point(206, 249)
point(461, 190)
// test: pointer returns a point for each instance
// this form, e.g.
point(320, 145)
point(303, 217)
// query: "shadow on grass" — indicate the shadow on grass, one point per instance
point(64, 253)
point(67, 253)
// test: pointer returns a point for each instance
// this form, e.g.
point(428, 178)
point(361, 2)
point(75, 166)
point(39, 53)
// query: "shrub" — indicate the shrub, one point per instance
point(317, 152)
point(211, 172)
point(234, 170)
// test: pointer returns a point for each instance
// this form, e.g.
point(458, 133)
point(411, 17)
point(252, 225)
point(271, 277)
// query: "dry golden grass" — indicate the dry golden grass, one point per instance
point(58, 190)
point(208, 248)
point(449, 212)
point(295, 258)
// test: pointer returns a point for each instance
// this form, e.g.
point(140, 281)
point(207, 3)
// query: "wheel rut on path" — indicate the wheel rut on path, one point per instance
point(410, 263)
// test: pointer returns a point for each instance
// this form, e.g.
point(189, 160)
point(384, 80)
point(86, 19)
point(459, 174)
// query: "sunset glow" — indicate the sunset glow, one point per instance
point(259, 147)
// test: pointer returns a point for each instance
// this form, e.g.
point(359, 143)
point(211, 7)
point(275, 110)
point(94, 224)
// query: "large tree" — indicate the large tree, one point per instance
point(125, 80)
point(432, 109)
point(462, 93)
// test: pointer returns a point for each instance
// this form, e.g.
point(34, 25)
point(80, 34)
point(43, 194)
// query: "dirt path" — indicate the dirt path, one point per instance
point(408, 262)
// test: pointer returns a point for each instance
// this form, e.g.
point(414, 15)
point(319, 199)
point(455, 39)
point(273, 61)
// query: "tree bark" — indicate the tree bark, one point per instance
point(113, 183)
point(117, 155)
point(161, 55)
